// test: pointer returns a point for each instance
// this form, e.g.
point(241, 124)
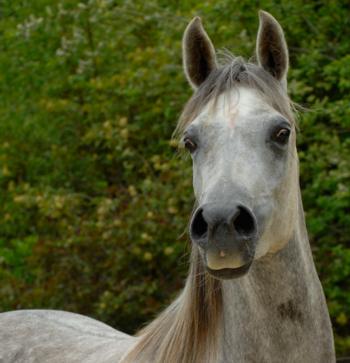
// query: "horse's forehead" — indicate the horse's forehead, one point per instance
point(239, 107)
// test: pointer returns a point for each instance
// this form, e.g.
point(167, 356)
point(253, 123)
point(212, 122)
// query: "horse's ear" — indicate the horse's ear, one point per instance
point(198, 53)
point(271, 47)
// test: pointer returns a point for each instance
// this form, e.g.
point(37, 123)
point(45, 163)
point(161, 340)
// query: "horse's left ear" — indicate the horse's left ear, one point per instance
point(198, 53)
point(271, 47)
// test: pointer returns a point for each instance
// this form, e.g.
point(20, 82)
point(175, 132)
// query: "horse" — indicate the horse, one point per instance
point(252, 293)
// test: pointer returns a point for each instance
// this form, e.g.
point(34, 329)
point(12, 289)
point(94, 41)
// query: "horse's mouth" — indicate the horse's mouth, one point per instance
point(228, 263)
point(229, 273)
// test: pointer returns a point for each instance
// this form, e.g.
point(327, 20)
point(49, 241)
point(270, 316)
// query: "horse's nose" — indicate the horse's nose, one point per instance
point(212, 221)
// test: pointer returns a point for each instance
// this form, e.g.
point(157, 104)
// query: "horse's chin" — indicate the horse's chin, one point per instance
point(229, 273)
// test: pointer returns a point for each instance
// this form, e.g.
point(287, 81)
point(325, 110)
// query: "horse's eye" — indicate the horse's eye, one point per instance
point(190, 145)
point(281, 136)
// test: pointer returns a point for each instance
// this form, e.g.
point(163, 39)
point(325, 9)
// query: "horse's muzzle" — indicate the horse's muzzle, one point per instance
point(227, 237)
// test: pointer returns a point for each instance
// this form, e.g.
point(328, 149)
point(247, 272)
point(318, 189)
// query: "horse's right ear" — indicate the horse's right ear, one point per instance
point(198, 53)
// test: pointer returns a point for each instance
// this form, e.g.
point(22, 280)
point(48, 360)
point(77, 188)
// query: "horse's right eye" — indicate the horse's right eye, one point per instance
point(190, 145)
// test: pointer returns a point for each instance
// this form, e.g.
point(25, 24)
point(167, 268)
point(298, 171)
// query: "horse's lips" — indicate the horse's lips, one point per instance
point(220, 260)
point(229, 273)
point(227, 265)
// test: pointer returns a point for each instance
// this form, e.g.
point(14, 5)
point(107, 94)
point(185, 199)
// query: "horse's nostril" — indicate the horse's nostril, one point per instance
point(199, 226)
point(244, 222)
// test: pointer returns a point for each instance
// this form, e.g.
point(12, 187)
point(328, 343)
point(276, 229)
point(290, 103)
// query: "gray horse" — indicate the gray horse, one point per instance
point(252, 293)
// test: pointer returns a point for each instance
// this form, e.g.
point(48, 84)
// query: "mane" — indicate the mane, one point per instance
point(188, 330)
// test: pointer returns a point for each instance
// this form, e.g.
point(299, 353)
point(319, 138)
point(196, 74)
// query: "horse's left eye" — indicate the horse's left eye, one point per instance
point(281, 136)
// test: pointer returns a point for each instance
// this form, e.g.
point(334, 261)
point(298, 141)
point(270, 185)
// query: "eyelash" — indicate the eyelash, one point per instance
point(281, 135)
point(189, 144)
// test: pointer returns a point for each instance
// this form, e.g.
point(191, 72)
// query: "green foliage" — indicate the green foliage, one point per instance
point(94, 197)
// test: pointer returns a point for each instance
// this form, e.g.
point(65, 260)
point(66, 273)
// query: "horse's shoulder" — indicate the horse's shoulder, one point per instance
point(58, 337)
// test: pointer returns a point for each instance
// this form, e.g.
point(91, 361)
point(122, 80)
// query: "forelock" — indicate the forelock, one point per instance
point(231, 73)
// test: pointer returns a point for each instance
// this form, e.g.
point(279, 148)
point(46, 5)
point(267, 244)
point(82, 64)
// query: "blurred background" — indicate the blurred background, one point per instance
point(94, 196)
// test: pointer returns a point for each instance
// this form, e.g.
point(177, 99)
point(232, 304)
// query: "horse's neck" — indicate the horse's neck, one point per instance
point(277, 312)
